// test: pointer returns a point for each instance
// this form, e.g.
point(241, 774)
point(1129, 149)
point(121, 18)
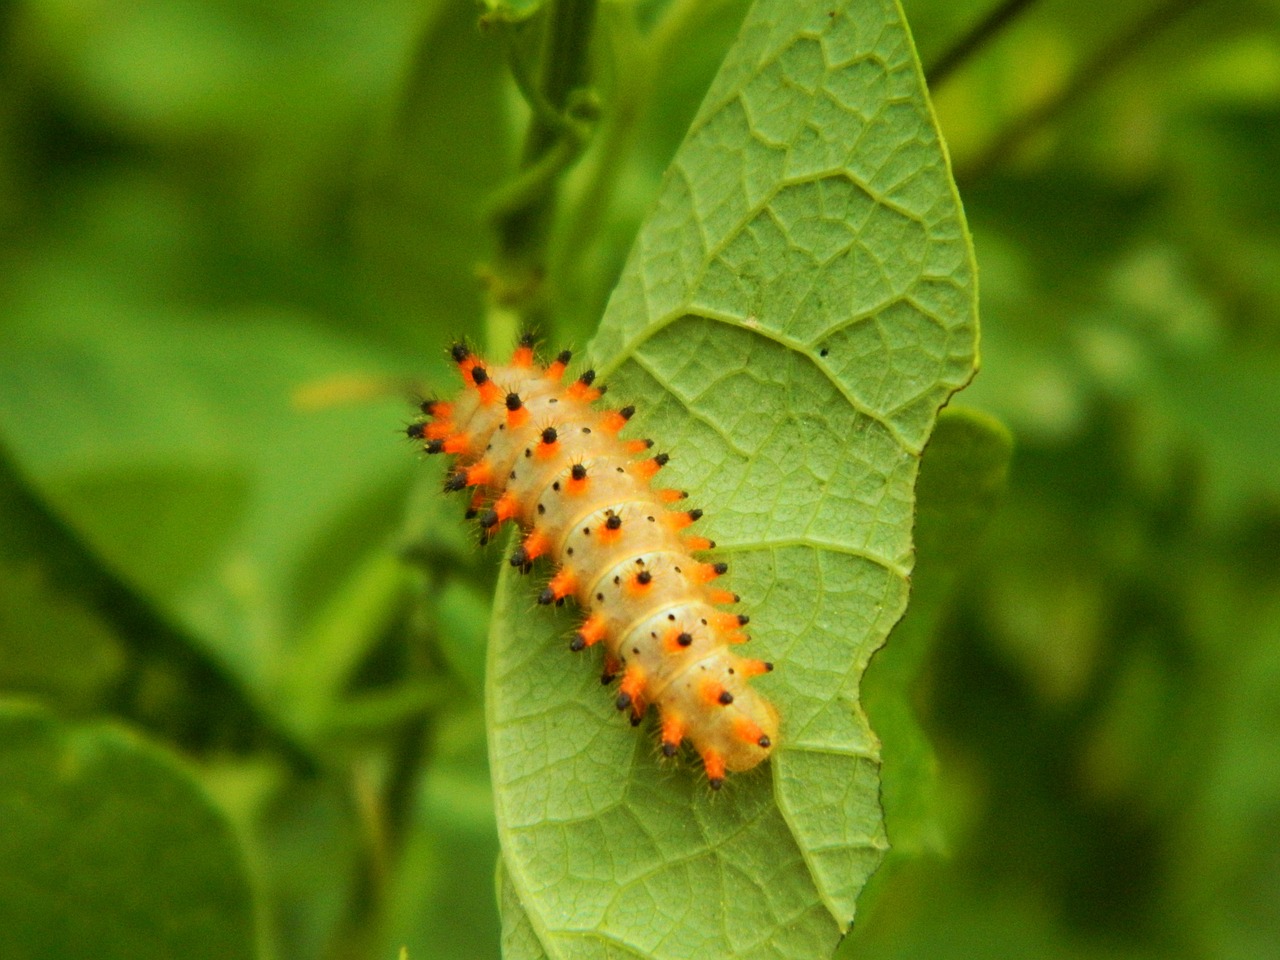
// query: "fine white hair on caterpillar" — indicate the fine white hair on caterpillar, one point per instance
point(536, 451)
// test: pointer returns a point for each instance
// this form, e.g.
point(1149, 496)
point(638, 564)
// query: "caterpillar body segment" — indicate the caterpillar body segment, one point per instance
point(532, 449)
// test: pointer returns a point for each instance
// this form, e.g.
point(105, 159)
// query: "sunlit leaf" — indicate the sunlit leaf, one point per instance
point(794, 312)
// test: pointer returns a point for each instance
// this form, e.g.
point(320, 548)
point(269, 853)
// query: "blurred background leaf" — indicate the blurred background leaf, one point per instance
point(116, 827)
point(962, 477)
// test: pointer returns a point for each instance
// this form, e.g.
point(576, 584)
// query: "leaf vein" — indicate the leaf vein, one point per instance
point(783, 543)
point(629, 349)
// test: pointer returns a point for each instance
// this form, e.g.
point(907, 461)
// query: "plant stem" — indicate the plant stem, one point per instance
point(637, 59)
point(523, 222)
point(641, 60)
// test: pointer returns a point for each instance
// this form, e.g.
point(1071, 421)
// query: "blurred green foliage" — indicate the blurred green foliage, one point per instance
point(236, 236)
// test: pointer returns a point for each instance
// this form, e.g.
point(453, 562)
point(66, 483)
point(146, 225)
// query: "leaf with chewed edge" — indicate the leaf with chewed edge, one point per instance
point(796, 309)
point(962, 477)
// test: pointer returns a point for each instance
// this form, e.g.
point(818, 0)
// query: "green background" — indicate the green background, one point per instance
point(236, 237)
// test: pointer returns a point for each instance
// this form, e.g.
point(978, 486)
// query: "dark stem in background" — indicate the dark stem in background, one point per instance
point(385, 803)
point(524, 218)
point(972, 42)
point(409, 757)
point(40, 540)
point(1098, 68)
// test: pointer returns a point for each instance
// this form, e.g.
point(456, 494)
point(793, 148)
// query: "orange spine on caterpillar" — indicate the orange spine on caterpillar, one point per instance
point(535, 451)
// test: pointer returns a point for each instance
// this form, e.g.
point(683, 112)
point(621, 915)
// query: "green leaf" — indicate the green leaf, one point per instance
point(795, 310)
point(515, 11)
point(77, 637)
point(441, 902)
point(56, 644)
point(519, 938)
point(451, 125)
point(176, 448)
point(110, 849)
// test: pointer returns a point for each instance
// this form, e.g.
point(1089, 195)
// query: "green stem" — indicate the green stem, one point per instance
point(527, 208)
point(617, 133)
point(641, 60)
point(535, 182)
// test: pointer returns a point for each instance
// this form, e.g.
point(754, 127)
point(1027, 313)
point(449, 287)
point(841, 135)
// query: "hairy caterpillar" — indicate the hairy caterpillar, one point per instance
point(538, 452)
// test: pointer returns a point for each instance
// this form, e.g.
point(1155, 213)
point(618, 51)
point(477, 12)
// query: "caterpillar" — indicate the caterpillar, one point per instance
point(535, 451)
